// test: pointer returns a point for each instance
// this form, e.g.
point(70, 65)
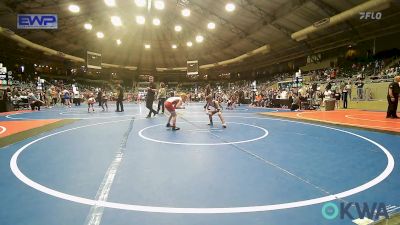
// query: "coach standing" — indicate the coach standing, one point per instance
point(99, 97)
point(120, 98)
point(151, 92)
point(393, 98)
point(162, 96)
point(344, 97)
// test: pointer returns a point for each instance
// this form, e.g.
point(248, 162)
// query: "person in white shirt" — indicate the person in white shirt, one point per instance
point(327, 94)
point(104, 100)
point(348, 88)
point(77, 98)
point(284, 94)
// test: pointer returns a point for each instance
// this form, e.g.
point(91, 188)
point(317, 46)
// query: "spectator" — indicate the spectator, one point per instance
point(337, 97)
point(162, 96)
point(34, 101)
point(54, 95)
point(393, 98)
point(48, 98)
point(104, 98)
point(360, 88)
point(348, 87)
point(120, 99)
point(99, 97)
point(77, 99)
point(66, 97)
point(344, 96)
point(296, 103)
point(151, 92)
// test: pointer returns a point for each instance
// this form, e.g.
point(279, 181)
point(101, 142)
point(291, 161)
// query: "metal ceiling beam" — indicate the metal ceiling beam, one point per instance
point(219, 41)
point(151, 63)
point(165, 64)
point(251, 7)
point(233, 28)
point(295, 53)
point(267, 19)
point(331, 11)
point(288, 34)
point(171, 20)
point(139, 66)
point(167, 33)
point(213, 38)
point(164, 35)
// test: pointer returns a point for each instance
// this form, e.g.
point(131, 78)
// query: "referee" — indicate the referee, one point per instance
point(393, 98)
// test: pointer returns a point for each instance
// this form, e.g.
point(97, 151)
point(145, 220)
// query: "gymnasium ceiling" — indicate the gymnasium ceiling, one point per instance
point(253, 24)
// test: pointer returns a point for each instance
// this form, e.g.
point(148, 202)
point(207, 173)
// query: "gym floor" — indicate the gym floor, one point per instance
point(121, 168)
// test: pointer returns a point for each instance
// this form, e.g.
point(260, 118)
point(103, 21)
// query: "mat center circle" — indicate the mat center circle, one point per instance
point(199, 133)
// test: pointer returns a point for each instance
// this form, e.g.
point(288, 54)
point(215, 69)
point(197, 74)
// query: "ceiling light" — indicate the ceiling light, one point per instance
point(88, 26)
point(159, 5)
point(185, 12)
point(141, 3)
point(156, 21)
point(178, 28)
point(100, 34)
point(110, 3)
point(199, 38)
point(211, 25)
point(119, 42)
point(230, 7)
point(174, 46)
point(189, 44)
point(116, 21)
point(74, 8)
point(140, 19)
point(147, 46)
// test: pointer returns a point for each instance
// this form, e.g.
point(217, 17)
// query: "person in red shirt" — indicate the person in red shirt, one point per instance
point(171, 104)
point(333, 74)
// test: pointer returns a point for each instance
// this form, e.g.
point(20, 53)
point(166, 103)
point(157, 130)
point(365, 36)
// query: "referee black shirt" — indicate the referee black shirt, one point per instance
point(395, 89)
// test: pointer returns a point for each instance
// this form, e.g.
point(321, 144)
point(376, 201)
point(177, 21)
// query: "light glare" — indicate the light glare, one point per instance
point(88, 26)
point(156, 21)
point(116, 21)
point(100, 34)
point(199, 38)
point(211, 25)
point(185, 12)
point(230, 7)
point(159, 5)
point(141, 3)
point(110, 3)
point(140, 20)
point(74, 8)
point(178, 28)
